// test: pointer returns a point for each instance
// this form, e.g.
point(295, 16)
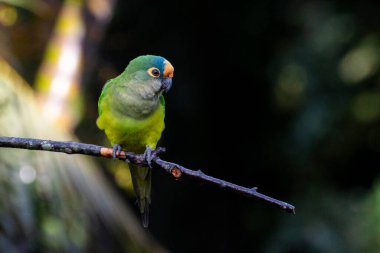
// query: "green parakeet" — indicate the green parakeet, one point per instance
point(131, 112)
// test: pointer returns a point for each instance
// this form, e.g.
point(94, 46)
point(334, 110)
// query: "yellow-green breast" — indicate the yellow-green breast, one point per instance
point(133, 134)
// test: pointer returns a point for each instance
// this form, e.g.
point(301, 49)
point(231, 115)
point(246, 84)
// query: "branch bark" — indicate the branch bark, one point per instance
point(174, 169)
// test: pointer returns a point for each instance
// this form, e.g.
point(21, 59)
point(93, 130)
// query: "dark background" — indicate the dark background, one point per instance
point(282, 95)
point(227, 116)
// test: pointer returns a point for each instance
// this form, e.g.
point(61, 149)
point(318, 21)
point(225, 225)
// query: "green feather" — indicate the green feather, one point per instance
point(103, 94)
point(162, 101)
point(141, 180)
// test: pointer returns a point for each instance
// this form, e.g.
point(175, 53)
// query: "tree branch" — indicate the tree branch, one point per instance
point(174, 169)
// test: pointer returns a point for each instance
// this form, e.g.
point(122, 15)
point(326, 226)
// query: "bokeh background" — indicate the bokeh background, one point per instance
point(282, 95)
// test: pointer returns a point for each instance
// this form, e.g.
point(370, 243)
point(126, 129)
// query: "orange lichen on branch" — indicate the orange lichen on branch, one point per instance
point(176, 172)
point(108, 152)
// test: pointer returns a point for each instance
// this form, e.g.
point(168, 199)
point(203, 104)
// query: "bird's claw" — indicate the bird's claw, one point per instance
point(150, 154)
point(116, 150)
point(158, 151)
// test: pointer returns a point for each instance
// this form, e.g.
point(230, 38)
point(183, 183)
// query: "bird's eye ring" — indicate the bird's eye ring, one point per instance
point(154, 72)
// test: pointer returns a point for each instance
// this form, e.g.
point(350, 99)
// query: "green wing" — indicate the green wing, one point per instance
point(162, 101)
point(103, 94)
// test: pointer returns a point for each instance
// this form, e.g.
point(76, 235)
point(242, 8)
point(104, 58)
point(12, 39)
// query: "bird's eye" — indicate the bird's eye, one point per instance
point(154, 72)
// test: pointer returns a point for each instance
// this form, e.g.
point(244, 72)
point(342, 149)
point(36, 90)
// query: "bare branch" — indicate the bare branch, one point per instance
point(174, 169)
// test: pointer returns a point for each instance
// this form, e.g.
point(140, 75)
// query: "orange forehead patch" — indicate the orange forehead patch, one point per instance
point(168, 69)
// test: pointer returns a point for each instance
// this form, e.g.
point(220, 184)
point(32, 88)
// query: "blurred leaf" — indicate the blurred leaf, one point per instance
point(58, 79)
point(35, 6)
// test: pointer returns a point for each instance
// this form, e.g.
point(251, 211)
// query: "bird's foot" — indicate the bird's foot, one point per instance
point(116, 150)
point(150, 154)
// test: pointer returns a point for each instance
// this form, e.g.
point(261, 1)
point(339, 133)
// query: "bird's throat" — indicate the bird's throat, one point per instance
point(135, 104)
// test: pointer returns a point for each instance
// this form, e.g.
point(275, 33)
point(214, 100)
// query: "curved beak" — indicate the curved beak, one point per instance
point(166, 84)
point(168, 75)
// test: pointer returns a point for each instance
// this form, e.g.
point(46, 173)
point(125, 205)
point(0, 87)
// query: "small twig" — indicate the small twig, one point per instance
point(175, 170)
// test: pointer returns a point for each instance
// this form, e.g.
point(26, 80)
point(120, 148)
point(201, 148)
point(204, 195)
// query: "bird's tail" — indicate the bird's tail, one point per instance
point(141, 179)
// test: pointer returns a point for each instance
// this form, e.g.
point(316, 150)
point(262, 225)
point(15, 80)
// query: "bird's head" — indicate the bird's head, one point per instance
point(151, 73)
